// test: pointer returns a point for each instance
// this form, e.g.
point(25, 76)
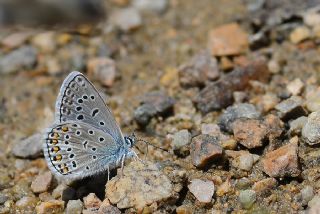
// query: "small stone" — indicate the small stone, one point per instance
point(74, 207)
point(275, 127)
point(42, 182)
point(141, 184)
point(127, 19)
point(22, 58)
point(240, 96)
point(45, 196)
point(184, 209)
point(300, 34)
point(204, 148)
point(210, 129)
point(222, 41)
point(27, 204)
point(48, 207)
point(103, 69)
point(3, 198)
point(17, 39)
point(57, 192)
point(297, 125)
point(30, 147)
point(45, 41)
point(311, 130)
point(107, 208)
point(313, 100)
point(291, 108)
point(311, 18)
point(269, 101)
point(92, 201)
point(247, 198)
point(202, 189)
point(314, 205)
point(295, 87)
point(219, 94)
point(201, 68)
point(282, 162)
point(181, 141)
point(224, 188)
point(251, 133)
point(307, 194)
point(274, 66)
point(153, 103)
point(157, 6)
point(237, 111)
point(242, 159)
point(265, 185)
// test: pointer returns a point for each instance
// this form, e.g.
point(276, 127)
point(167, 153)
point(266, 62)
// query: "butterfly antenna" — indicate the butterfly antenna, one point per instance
point(146, 142)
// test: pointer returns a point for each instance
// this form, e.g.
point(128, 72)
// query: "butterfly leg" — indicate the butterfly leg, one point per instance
point(108, 173)
point(122, 163)
point(137, 157)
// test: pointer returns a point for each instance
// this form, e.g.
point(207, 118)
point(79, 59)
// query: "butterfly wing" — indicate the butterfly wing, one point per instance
point(78, 100)
point(75, 150)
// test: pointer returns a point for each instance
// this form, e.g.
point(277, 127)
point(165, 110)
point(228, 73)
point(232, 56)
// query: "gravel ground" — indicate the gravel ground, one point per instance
point(229, 89)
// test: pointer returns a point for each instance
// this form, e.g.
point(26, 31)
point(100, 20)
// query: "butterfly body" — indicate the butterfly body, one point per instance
point(85, 138)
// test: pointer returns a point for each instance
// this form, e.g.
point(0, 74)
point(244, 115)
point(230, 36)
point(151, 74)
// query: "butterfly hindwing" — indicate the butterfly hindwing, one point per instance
point(78, 100)
point(74, 149)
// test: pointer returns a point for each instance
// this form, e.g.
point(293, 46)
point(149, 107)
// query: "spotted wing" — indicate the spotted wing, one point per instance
point(78, 100)
point(75, 150)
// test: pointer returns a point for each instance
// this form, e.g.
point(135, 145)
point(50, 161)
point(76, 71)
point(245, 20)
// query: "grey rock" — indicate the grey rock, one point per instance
point(181, 141)
point(74, 207)
point(311, 130)
point(127, 19)
point(297, 125)
point(291, 108)
point(152, 104)
point(153, 6)
point(3, 198)
point(42, 182)
point(30, 147)
point(314, 205)
point(307, 194)
point(22, 58)
point(247, 198)
point(200, 69)
point(243, 110)
point(202, 189)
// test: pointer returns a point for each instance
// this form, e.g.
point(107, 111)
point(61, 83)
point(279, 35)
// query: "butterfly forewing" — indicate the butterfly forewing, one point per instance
point(75, 149)
point(79, 101)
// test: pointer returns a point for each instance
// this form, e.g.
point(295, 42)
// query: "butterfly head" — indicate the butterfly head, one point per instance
point(130, 141)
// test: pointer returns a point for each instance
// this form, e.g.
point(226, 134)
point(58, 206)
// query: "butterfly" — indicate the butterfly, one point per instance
point(85, 138)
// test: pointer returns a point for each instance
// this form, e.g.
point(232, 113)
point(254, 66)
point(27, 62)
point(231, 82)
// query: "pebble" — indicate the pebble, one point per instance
point(274, 67)
point(311, 18)
point(247, 198)
point(26, 204)
point(201, 68)
point(19, 59)
point(140, 185)
point(30, 147)
point(300, 34)
point(311, 130)
point(3, 198)
point(224, 188)
point(202, 189)
point(269, 101)
point(181, 141)
point(250, 133)
point(107, 208)
point(313, 100)
point(204, 149)
point(17, 39)
point(57, 192)
point(45, 41)
point(265, 185)
point(42, 182)
point(219, 94)
point(74, 207)
point(242, 159)
point(307, 193)
point(153, 103)
point(291, 108)
point(102, 69)
point(275, 127)
point(92, 201)
point(50, 207)
point(314, 205)
point(297, 125)
point(184, 209)
point(237, 111)
point(295, 86)
point(157, 6)
point(222, 41)
point(282, 162)
point(126, 19)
